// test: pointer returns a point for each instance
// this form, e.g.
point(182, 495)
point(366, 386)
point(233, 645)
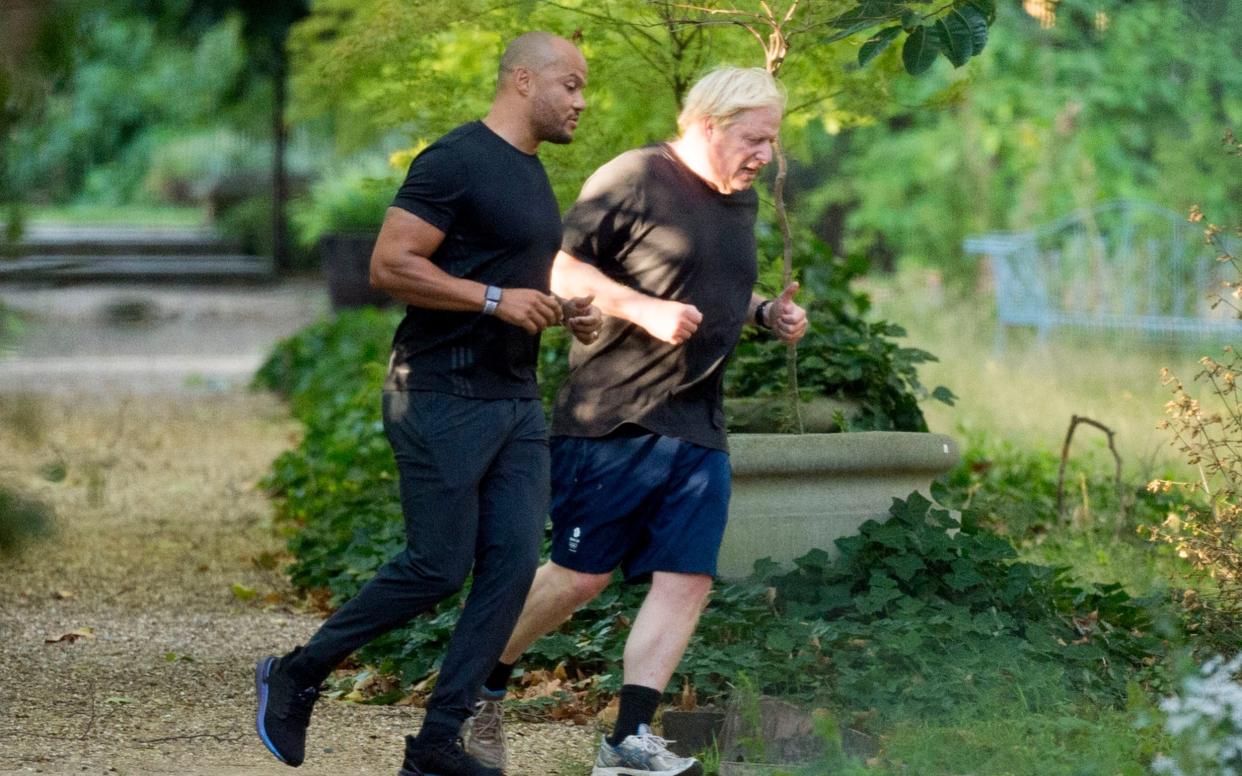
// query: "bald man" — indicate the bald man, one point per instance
point(468, 245)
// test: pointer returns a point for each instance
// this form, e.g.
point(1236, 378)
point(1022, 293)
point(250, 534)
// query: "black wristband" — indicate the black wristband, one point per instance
point(761, 314)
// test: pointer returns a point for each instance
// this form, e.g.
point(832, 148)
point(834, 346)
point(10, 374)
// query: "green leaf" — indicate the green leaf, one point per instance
point(977, 21)
point(876, 44)
point(904, 566)
point(944, 395)
point(955, 38)
point(779, 641)
point(986, 7)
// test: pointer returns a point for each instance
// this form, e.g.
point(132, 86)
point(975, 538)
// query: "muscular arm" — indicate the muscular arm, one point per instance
point(400, 267)
point(666, 320)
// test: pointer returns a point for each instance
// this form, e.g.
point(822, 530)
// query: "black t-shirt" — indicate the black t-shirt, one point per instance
point(648, 222)
point(501, 227)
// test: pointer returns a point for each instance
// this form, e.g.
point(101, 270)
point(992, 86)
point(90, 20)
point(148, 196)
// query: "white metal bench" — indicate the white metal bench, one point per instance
point(1120, 266)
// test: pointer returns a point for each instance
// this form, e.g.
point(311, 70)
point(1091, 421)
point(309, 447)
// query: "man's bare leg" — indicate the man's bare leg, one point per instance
point(554, 596)
point(663, 628)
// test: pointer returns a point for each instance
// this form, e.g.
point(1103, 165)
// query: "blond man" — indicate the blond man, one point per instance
point(662, 237)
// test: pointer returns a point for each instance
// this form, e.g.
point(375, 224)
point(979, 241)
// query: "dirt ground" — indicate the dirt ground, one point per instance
point(124, 648)
point(158, 518)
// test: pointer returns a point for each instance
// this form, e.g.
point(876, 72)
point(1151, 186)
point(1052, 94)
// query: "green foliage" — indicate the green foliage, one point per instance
point(22, 521)
point(127, 86)
point(352, 199)
point(929, 612)
point(1111, 102)
point(368, 65)
point(338, 487)
point(843, 356)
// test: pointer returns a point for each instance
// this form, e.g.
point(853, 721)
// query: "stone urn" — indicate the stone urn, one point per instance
point(346, 261)
point(796, 492)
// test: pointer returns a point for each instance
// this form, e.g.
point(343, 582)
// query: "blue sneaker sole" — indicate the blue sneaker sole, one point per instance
point(261, 672)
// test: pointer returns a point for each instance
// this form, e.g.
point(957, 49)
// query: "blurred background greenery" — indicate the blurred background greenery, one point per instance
point(168, 110)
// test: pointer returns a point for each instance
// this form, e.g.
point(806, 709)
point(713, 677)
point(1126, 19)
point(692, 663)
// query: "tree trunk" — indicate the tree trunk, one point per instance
point(280, 185)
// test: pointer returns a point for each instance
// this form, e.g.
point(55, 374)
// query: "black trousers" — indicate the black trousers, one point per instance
point(474, 493)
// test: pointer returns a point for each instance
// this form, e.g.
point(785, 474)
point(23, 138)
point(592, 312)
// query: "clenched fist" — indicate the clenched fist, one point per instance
point(668, 321)
point(529, 309)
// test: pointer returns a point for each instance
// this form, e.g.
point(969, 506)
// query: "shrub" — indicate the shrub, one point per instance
point(843, 356)
point(22, 521)
point(1207, 435)
point(350, 200)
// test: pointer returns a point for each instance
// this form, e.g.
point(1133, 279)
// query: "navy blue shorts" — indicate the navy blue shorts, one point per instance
point(640, 501)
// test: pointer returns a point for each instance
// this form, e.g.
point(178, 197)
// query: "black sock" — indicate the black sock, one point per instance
point(638, 707)
point(498, 679)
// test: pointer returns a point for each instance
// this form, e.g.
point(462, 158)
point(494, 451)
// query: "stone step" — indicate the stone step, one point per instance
point(134, 267)
point(72, 240)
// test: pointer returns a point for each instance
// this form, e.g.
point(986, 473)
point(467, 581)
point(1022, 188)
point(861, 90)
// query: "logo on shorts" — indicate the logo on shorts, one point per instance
point(575, 539)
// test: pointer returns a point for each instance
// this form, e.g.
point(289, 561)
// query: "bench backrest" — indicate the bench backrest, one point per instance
point(1122, 264)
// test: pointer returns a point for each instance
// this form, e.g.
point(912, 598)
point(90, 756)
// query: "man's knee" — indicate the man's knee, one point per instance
point(441, 579)
point(577, 588)
point(691, 590)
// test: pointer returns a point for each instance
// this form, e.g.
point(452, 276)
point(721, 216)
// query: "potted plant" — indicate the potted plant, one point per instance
point(799, 484)
point(340, 218)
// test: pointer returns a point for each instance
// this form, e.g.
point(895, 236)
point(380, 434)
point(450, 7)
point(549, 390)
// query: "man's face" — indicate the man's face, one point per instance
point(558, 96)
point(739, 149)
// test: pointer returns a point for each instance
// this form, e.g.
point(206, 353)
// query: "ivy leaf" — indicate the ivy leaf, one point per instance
point(964, 576)
point(876, 44)
point(904, 566)
point(955, 38)
point(920, 51)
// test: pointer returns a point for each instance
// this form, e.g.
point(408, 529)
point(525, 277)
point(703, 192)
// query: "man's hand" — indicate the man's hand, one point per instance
point(786, 319)
point(583, 319)
point(528, 309)
point(668, 321)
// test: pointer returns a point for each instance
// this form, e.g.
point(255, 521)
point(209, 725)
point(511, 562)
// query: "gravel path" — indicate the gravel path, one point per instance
point(158, 519)
point(148, 669)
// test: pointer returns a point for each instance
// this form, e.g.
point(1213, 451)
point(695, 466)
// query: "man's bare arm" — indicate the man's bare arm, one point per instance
point(666, 320)
point(400, 267)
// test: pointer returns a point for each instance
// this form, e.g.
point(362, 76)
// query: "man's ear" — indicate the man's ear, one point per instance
point(523, 81)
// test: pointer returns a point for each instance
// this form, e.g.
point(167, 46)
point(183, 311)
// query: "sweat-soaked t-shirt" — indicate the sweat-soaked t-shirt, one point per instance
point(648, 222)
point(501, 227)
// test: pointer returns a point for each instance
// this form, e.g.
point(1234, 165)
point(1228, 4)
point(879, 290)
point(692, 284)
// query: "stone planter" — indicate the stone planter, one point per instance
point(796, 492)
point(767, 414)
point(346, 261)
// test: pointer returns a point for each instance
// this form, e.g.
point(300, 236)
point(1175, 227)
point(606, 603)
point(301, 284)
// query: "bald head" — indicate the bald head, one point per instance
point(533, 51)
point(538, 91)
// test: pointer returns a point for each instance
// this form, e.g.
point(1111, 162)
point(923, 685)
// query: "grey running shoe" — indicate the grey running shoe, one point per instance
point(642, 754)
point(483, 734)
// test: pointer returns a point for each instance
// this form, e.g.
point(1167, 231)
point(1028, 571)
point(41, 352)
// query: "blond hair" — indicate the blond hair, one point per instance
point(726, 91)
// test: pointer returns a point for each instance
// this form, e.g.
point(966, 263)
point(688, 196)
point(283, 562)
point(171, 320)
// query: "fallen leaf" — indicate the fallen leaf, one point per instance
point(243, 593)
point(119, 699)
point(72, 636)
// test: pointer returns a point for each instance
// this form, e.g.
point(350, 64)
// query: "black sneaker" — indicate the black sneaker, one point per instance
point(441, 759)
point(284, 712)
